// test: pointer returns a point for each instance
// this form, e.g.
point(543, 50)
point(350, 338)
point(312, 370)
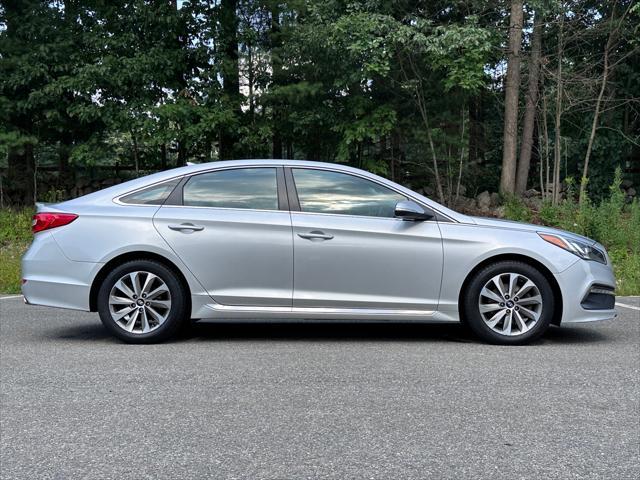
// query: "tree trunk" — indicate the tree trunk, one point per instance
point(434, 157)
point(476, 132)
point(20, 175)
point(230, 73)
point(30, 191)
point(163, 156)
point(276, 80)
point(530, 109)
point(512, 88)
point(596, 115)
point(182, 155)
point(461, 156)
point(136, 157)
point(545, 132)
point(557, 151)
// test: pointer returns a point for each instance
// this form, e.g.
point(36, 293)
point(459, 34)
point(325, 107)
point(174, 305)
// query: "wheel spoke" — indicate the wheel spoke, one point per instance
point(513, 279)
point(528, 285)
point(135, 282)
point(160, 303)
point(144, 321)
point(119, 315)
point(498, 283)
point(154, 313)
point(506, 326)
point(489, 294)
point(132, 321)
point(116, 300)
point(120, 285)
point(489, 307)
point(159, 290)
point(493, 321)
point(522, 324)
point(530, 313)
point(534, 300)
point(148, 282)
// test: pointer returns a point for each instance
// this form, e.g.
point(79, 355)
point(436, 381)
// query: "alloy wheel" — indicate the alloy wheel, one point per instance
point(510, 304)
point(139, 302)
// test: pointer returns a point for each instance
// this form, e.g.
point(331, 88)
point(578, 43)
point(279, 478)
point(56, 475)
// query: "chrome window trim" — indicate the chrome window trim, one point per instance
point(345, 215)
point(277, 210)
point(284, 165)
point(364, 177)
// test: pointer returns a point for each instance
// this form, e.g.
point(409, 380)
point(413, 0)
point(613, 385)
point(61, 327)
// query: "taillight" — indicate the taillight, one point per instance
point(45, 221)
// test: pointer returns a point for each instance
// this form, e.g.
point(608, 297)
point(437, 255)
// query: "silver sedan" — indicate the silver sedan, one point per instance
point(286, 240)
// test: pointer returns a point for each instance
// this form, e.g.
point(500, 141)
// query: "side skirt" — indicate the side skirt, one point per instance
point(261, 314)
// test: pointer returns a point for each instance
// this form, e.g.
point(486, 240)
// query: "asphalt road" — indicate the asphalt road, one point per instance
point(316, 401)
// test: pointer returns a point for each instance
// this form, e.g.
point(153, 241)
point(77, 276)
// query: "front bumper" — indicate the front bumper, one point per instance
point(577, 284)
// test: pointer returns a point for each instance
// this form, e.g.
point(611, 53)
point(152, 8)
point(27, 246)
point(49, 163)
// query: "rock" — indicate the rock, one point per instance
point(626, 184)
point(534, 203)
point(532, 192)
point(82, 182)
point(463, 190)
point(484, 201)
point(429, 192)
point(466, 204)
point(631, 192)
point(495, 200)
point(499, 212)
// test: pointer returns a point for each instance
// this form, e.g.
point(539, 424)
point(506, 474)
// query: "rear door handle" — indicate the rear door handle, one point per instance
point(186, 226)
point(315, 235)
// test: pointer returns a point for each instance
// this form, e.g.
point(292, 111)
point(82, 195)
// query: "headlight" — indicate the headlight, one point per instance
point(577, 247)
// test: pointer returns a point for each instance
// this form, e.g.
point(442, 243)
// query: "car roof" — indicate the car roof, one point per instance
point(108, 194)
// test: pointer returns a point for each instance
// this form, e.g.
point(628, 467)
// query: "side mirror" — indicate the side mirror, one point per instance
point(408, 210)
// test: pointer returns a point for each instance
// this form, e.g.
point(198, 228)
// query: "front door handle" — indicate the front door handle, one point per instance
point(187, 226)
point(315, 235)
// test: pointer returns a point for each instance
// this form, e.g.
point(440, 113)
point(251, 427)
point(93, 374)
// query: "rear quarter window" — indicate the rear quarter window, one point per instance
point(153, 195)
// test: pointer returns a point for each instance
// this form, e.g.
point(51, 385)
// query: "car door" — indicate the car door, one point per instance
point(351, 252)
point(233, 231)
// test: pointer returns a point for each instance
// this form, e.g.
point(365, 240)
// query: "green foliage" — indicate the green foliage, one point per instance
point(515, 209)
point(376, 84)
point(612, 223)
point(15, 226)
point(15, 236)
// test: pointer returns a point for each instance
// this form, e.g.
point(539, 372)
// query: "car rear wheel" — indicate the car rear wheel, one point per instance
point(142, 301)
point(509, 303)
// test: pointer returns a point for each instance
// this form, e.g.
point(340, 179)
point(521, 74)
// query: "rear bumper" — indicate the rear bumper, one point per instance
point(51, 279)
point(576, 283)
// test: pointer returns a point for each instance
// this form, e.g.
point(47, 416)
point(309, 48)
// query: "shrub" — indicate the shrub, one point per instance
point(515, 209)
point(612, 223)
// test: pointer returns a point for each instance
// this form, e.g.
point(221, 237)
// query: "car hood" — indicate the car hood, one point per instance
point(527, 227)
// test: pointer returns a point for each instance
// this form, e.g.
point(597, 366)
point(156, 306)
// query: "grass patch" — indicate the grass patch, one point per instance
point(15, 237)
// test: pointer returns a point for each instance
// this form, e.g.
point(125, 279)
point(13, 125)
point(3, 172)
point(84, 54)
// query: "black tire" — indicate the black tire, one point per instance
point(471, 309)
point(178, 312)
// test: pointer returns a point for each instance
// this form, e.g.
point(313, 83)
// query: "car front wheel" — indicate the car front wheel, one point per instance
point(508, 303)
point(142, 301)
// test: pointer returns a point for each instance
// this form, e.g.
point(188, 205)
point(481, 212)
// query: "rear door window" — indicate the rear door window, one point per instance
point(245, 188)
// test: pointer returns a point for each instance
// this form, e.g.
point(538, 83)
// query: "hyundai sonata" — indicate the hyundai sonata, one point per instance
point(286, 240)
